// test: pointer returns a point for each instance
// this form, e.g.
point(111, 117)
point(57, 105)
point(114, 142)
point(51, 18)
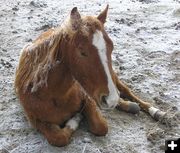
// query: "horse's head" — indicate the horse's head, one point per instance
point(89, 55)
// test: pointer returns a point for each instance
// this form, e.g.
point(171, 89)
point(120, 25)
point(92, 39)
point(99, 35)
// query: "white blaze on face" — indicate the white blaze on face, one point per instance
point(99, 42)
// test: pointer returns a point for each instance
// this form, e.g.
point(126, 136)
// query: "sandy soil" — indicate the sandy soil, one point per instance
point(146, 35)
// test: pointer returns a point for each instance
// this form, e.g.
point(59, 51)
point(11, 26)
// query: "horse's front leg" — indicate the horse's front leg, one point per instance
point(96, 122)
point(56, 135)
point(126, 92)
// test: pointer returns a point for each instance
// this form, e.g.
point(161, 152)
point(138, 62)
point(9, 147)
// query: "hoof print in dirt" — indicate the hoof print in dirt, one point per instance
point(170, 119)
point(155, 134)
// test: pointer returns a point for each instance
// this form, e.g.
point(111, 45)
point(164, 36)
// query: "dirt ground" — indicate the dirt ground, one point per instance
point(146, 35)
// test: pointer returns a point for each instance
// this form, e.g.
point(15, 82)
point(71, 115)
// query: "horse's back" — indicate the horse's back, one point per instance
point(44, 36)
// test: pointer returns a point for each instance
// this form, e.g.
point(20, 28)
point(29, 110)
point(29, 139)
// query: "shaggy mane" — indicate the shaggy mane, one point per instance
point(38, 58)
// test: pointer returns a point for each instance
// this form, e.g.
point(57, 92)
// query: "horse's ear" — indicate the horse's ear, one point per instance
point(75, 18)
point(103, 15)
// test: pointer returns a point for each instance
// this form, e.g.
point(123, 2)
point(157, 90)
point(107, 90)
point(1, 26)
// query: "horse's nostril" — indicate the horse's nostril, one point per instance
point(103, 98)
point(104, 103)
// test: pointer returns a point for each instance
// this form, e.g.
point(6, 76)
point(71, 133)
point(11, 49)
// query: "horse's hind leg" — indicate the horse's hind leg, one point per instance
point(128, 106)
point(54, 134)
point(126, 92)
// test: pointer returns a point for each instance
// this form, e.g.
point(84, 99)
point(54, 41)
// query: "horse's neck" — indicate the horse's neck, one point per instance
point(60, 79)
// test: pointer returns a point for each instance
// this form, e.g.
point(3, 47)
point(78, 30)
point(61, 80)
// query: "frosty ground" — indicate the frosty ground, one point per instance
point(146, 35)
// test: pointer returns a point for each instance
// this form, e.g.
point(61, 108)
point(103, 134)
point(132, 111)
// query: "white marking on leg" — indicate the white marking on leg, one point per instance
point(99, 43)
point(73, 123)
point(153, 111)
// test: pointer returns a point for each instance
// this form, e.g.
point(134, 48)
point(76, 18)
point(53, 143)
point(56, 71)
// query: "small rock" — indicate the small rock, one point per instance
point(44, 27)
point(147, 1)
point(130, 23)
point(141, 128)
point(155, 28)
point(86, 140)
point(137, 30)
point(155, 134)
point(14, 31)
point(12, 60)
point(176, 12)
point(4, 50)
point(30, 17)
point(15, 8)
point(158, 100)
point(29, 40)
point(162, 147)
point(177, 26)
point(4, 151)
point(174, 108)
point(137, 78)
point(122, 68)
point(33, 4)
point(121, 21)
point(1, 107)
point(6, 63)
point(114, 29)
point(115, 63)
point(38, 4)
point(161, 94)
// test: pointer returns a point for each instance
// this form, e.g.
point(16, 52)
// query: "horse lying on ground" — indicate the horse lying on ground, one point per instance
point(66, 73)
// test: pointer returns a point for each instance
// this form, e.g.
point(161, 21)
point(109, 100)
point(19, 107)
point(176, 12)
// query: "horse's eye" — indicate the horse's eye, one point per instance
point(84, 54)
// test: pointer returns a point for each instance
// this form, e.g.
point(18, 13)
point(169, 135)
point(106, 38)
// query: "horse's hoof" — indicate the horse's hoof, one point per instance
point(133, 108)
point(159, 115)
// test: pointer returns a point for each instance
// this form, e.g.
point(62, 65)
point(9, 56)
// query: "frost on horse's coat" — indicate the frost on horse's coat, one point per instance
point(39, 57)
point(64, 74)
